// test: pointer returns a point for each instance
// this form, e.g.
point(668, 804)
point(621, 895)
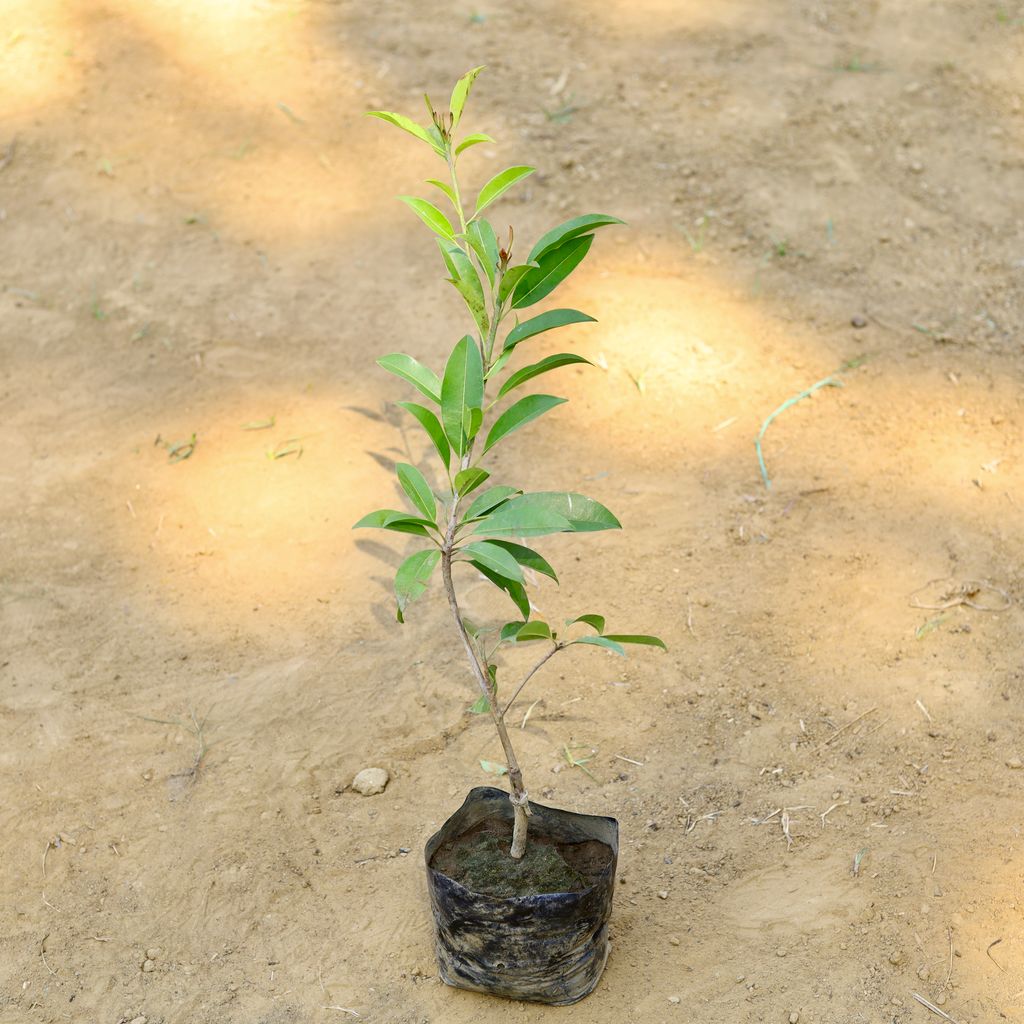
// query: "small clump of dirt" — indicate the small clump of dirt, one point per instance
point(479, 859)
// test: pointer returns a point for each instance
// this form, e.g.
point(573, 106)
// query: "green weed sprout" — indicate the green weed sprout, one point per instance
point(460, 522)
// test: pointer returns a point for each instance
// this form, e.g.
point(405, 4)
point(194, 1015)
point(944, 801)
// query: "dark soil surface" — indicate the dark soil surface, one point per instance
point(479, 860)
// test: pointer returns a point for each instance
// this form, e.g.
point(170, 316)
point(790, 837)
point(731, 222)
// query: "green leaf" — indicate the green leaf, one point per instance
point(418, 490)
point(467, 281)
point(472, 140)
point(500, 184)
point(533, 630)
point(432, 426)
point(490, 499)
point(431, 216)
point(413, 576)
point(460, 92)
point(597, 621)
point(483, 242)
point(545, 322)
point(518, 415)
point(493, 767)
point(440, 147)
point(447, 248)
point(515, 590)
point(636, 638)
point(599, 641)
point(445, 188)
point(467, 480)
point(495, 558)
point(528, 557)
point(425, 381)
point(499, 363)
point(511, 278)
point(536, 369)
point(409, 126)
point(555, 266)
point(571, 229)
point(509, 630)
point(544, 512)
point(461, 390)
point(476, 420)
point(399, 522)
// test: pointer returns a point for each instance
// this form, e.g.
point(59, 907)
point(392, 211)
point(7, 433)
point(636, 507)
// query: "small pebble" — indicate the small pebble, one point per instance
point(138, 1020)
point(858, 322)
point(147, 966)
point(371, 781)
point(673, 940)
point(153, 953)
point(941, 999)
point(1015, 762)
point(663, 895)
point(923, 973)
point(780, 952)
point(794, 1017)
point(991, 735)
point(896, 957)
point(674, 1000)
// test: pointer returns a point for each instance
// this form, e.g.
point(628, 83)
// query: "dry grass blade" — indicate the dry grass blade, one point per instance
point(197, 729)
point(842, 729)
point(931, 1006)
point(825, 814)
point(622, 757)
point(964, 592)
point(988, 953)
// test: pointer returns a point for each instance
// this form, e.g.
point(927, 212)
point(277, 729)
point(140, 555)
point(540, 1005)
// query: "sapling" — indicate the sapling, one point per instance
point(460, 522)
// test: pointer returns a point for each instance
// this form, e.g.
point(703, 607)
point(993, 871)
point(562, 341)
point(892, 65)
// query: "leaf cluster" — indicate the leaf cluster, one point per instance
point(461, 520)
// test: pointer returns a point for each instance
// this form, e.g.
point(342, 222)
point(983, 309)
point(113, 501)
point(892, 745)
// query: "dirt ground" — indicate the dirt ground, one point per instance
point(817, 785)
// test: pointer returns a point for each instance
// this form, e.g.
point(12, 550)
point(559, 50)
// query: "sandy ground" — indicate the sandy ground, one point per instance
point(199, 232)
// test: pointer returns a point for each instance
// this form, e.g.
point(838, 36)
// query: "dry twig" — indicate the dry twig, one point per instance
point(825, 814)
point(931, 1006)
point(843, 729)
point(988, 953)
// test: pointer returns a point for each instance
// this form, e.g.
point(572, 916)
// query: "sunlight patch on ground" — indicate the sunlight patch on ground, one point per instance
point(41, 55)
point(232, 530)
point(248, 52)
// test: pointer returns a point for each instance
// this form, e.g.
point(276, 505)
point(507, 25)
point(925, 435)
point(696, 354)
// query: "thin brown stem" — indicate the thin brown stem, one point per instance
point(520, 801)
point(529, 675)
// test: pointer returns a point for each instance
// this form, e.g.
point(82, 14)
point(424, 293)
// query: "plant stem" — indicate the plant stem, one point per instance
point(529, 675)
point(519, 798)
point(455, 189)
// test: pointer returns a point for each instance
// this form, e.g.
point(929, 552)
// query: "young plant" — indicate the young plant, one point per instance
point(460, 522)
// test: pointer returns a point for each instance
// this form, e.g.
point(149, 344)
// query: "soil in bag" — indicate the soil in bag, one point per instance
point(479, 860)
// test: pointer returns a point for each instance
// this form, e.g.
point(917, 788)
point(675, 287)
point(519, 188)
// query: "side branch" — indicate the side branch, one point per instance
point(529, 675)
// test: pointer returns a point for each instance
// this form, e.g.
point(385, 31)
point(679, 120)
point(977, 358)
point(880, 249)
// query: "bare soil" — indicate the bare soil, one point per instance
point(819, 786)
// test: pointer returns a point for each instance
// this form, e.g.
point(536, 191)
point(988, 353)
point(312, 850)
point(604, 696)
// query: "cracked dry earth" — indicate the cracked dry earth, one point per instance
point(819, 785)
